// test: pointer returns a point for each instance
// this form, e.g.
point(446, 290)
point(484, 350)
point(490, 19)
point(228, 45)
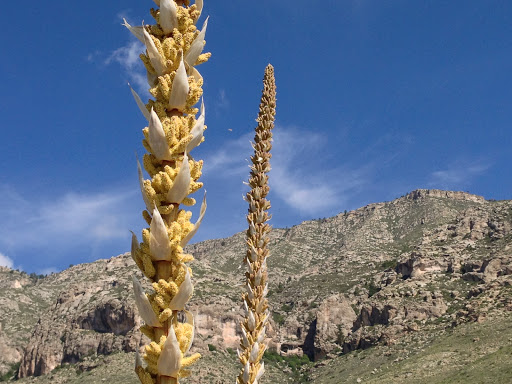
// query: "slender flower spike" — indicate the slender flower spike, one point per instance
point(176, 122)
point(255, 304)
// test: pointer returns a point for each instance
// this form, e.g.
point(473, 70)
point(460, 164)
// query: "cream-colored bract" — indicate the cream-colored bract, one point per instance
point(145, 197)
point(181, 184)
point(184, 294)
point(137, 31)
point(180, 89)
point(134, 247)
point(140, 104)
point(199, 6)
point(169, 363)
point(198, 130)
point(168, 15)
point(156, 138)
point(190, 320)
point(156, 59)
point(143, 305)
point(159, 246)
point(197, 46)
point(191, 234)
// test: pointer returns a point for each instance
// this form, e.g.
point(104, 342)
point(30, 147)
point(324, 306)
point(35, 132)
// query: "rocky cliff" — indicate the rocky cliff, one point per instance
point(363, 278)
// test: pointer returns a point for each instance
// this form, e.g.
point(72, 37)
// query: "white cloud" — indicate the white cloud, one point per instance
point(231, 159)
point(66, 222)
point(304, 179)
point(221, 102)
point(458, 175)
point(6, 261)
point(301, 177)
point(128, 57)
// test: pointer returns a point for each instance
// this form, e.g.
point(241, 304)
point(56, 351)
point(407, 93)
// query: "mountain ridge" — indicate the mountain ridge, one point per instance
point(340, 284)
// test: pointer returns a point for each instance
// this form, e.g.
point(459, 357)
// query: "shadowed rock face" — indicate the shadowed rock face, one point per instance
point(110, 317)
point(334, 320)
point(348, 282)
point(78, 326)
point(89, 316)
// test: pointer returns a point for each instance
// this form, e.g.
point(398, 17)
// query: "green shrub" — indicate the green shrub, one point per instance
point(11, 373)
point(278, 318)
point(389, 264)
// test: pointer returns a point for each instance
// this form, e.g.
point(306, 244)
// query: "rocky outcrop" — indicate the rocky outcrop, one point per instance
point(421, 193)
point(88, 317)
point(487, 270)
point(10, 355)
point(383, 320)
point(74, 329)
point(334, 320)
point(417, 263)
point(219, 328)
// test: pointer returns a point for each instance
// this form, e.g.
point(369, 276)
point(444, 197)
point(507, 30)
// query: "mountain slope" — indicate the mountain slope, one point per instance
point(380, 276)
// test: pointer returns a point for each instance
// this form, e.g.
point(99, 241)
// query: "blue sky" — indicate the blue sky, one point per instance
point(375, 99)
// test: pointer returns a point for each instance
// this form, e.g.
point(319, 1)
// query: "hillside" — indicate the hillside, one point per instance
point(383, 293)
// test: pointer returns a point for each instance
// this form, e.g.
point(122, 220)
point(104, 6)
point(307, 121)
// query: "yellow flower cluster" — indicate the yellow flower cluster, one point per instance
point(173, 48)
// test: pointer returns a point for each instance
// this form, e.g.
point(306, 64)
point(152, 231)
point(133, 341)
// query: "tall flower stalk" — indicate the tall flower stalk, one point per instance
point(255, 303)
point(173, 48)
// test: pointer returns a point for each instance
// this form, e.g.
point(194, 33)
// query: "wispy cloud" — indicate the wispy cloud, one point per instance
point(221, 102)
point(301, 176)
point(127, 57)
point(459, 174)
point(66, 223)
point(231, 159)
point(304, 179)
point(6, 261)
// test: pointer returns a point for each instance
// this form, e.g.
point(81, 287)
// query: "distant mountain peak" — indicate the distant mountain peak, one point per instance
point(457, 195)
